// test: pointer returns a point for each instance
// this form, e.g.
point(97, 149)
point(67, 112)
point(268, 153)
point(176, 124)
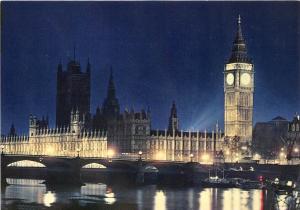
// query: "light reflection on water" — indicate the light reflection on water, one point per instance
point(144, 197)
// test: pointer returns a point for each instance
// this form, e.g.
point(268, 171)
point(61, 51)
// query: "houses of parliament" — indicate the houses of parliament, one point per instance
point(80, 131)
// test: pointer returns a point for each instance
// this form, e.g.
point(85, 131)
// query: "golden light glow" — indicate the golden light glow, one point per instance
point(94, 165)
point(50, 151)
point(244, 66)
point(160, 201)
point(230, 79)
point(160, 156)
point(245, 79)
point(110, 153)
point(205, 158)
point(26, 163)
point(109, 197)
point(296, 149)
point(256, 157)
point(49, 199)
point(205, 198)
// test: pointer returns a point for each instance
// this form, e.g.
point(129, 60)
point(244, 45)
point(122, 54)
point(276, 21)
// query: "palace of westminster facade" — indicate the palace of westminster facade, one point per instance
point(79, 132)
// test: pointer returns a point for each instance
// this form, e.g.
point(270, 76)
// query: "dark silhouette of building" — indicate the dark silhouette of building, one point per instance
point(267, 137)
point(173, 119)
point(12, 131)
point(73, 92)
point(110, 111)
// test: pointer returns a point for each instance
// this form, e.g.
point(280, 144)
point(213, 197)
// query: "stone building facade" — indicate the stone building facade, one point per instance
point(64, 141)
point(294, 135)
point(125, 133)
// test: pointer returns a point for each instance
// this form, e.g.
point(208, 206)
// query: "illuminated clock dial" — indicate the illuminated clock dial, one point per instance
point(230, 79)
point(245, 79)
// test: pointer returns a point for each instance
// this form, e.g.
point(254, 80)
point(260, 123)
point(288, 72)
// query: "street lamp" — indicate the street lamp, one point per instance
point(140, 155)
point(191, 156)
point(78, 150)
point(244, 148)
point(110, 154)
point(296, 150)
point(2, 148)
point(256, 156)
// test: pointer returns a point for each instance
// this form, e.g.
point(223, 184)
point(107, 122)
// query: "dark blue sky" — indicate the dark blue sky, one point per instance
point(160, 52)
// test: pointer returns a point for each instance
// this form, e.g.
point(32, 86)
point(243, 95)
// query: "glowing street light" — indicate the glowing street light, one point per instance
point(205, 158)
point(282, 154)
point(296, 149)
point(2, 148)
point(110, 154)
point(140, 155)
point(244, 148)
point(192, 156)
point(256, 156)
point(160, 155)
point(77, 150)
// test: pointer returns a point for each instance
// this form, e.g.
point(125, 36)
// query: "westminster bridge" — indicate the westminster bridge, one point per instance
point(69, 170)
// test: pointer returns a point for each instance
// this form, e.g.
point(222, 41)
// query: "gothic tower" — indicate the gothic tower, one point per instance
point(173, 119)
point(239, 88)
point(73, 92)
point(111, 107)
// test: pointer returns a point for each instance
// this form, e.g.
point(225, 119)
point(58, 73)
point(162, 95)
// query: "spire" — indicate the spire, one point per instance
point(12, 131)
point(74, 52)
point(88, 68)
point(111, 107)
point(173, 120)
point(59, 66)
point(173, 110)
point(111, 91)
point(239, 50)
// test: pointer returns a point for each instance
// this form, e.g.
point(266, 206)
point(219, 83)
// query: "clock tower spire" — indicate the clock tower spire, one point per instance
point(238, 89)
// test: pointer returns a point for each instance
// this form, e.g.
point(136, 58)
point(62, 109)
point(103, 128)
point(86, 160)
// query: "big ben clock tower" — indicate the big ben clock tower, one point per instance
point(238, 88)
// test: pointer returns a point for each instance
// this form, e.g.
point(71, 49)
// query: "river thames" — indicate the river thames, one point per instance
point(33, 194)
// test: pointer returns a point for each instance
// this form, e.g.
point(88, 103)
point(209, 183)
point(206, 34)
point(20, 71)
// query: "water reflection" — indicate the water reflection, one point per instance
point(160, 200)
point(49, 198)
point(142, 197)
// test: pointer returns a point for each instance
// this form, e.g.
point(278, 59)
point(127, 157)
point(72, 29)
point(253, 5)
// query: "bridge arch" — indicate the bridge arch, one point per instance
point(26, 163)
point(150, 169)
point(94, 165)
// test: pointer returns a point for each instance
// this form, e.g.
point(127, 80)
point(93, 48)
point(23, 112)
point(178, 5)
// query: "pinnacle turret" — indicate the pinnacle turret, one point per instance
point(173, 120)
point(239, 50)
point(111, 107)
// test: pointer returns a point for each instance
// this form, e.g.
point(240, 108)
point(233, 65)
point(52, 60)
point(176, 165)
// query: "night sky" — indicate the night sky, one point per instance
point(159, 52)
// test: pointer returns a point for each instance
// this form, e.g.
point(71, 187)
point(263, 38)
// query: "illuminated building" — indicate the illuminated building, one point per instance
point(75, 140)
point(239, 88)
point(79, 131)
point(65, 141)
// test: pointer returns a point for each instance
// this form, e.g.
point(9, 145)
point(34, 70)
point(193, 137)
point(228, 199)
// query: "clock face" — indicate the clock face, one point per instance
point(230, 79)
point(245, 79)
